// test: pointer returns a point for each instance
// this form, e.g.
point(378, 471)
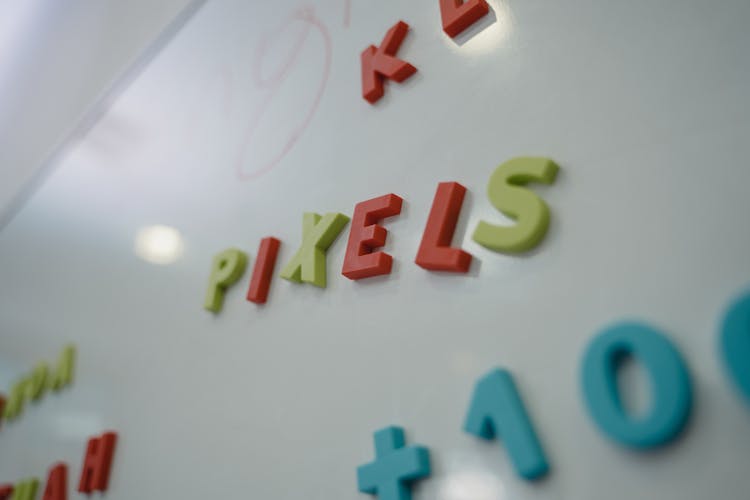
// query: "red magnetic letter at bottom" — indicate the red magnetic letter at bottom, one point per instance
point(97, 463)
point(458, 15)
point(57, 483)
point(263, 270)
point(360, 262)
point(435, 252)
point(6, 490)
point(379, 63)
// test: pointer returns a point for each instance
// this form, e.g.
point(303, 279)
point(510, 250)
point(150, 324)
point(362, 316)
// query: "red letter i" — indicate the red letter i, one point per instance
point(263, 270)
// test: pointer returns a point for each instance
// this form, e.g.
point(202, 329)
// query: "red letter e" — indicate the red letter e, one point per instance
point(366, 234)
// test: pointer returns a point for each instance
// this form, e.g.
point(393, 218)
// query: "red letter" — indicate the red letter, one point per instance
point(365, 235)
point(457, 15)
point(57, 483)
point(435, 252)
point(6, 490)
point(97, 463)
point(379, 63)
point(263, 270)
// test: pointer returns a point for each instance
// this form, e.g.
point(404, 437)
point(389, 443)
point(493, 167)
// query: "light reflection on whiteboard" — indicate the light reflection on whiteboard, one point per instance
point(471, 484)
point(159, 244)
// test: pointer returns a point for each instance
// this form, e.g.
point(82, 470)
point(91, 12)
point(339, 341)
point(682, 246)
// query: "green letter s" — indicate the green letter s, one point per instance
point(506, 193)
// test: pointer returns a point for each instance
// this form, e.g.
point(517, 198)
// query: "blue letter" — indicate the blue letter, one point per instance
point(496, 408)
point(395, 467)
point(671, 392)
point(735, 343)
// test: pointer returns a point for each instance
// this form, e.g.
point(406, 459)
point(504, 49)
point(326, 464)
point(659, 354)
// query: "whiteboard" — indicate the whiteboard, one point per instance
point(253, 115)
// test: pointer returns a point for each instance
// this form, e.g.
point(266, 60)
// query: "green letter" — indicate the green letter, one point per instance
point(25, 490)
point(65, 367)
point(309, 263)
point(16, 400)
point(227, 268)
point(38, 381)
point(531, 213)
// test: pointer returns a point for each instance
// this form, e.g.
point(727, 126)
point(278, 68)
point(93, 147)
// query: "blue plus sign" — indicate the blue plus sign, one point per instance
point(394, 468)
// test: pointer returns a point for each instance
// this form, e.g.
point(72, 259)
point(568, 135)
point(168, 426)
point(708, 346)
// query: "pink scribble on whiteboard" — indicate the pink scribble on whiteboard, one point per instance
point(307, 16)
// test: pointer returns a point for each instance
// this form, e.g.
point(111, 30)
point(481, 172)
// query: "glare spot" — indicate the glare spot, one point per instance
point(158, 244)
point(471, 485)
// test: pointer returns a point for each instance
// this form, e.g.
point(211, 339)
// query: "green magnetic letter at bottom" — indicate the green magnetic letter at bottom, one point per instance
point(506, 193)
point(226, 269)
point(25, 490)
point(309, 263)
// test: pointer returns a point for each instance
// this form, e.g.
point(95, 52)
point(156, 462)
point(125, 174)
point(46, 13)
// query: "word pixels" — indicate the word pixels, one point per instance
point(506, 190)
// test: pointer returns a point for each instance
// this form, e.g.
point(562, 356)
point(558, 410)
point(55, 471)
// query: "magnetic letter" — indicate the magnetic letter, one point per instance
point(458, 15)
point(365, 234)
point(506, 193)
point(226, 269)
point(735, 343)
point(63, 375)
point(497, 408)
point(395, 468)
point(435, 252)
point(16, 400)
point(379, 63)
point(671, 392)
point(57, 483)
point(25, 490)
point(263, 270)
point(97, 463)
point(37, 383)
point(309, 263)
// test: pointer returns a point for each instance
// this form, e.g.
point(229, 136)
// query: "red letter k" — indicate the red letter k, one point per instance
point(379, 63)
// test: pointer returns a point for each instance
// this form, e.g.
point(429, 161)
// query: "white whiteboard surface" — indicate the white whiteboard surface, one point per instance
point(57, 61)
point(643, 104)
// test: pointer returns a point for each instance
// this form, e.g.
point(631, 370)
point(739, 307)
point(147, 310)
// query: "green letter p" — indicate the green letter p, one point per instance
point(226, 269)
